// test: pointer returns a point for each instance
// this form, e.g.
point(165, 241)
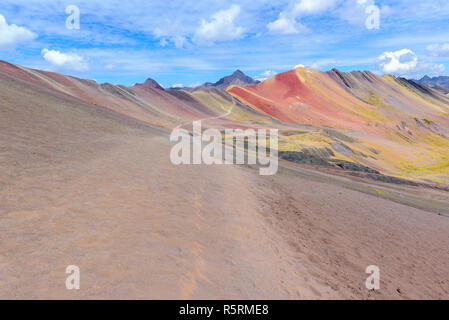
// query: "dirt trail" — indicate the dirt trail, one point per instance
point(138, 227)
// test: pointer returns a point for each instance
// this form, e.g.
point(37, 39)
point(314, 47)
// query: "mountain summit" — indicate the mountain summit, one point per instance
point(238, 78)
point(150, 83)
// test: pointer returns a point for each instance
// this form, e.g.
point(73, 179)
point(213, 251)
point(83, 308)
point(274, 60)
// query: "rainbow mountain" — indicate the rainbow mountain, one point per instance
point(380, 126)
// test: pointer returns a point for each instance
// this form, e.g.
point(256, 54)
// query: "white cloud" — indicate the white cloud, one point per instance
point(286, 25)
point(429, 69)
point(398, 62)
point(65, 61)
point(221, 27)
point(321, 63)
point(109, 67)
point(308, 7)
point(171, 32)
point(405, 63)
point(438, 50)
point(12, 35)
point(287, 22)
point(265, 75)
point(268, 73)
point(179, 41)
point(354, 11)
point(177, 86)
point(299, 66)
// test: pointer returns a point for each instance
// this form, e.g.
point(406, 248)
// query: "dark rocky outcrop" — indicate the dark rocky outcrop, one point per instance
point(238, 78)
point(305, 157)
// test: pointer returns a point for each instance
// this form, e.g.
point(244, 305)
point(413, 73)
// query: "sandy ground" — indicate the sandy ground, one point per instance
point(85, 187)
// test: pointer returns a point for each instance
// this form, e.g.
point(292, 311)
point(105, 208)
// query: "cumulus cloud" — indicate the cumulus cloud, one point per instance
point(172, 32)
point(177, 86)
point(287, 22)
point(12, 35)
point(286, 25)
point(65, 61)
point(266, 75)
point(406, 63)
point(354, 11)
point(221, 27)
point(398, 62)
point(438, 50)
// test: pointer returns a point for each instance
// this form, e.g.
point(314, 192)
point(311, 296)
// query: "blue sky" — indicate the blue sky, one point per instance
point(190, 42)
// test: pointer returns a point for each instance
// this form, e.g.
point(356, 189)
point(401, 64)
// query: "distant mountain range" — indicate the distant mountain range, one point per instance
point(440, 83)
point(240, 79)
